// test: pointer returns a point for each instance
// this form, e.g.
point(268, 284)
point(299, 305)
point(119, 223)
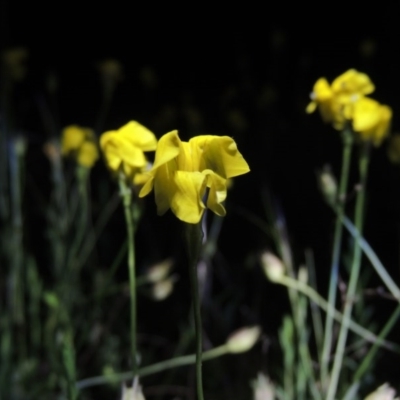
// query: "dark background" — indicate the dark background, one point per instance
point(242, 73)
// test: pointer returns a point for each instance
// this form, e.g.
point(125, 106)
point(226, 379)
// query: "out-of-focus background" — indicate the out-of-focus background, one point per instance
point(246, 73)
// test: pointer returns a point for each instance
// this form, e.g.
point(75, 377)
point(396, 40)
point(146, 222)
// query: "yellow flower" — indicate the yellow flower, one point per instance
point(80, 143)
point(336, 101)
point(371, 120)
point(183, 171)
point(353, 83)
point(123, 150)
point(88, 154)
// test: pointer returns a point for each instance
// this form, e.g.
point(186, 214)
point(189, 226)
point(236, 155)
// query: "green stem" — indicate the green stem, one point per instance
point(126, 195)
point(337, 242)
point(194, 238)
point(327, 307)
point(154, 368)
point(367, 361)
point(82, 174)
point(283, 245)
point(354, 275)
point(373, 258)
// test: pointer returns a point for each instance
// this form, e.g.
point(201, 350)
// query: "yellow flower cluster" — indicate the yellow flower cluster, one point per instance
point(189, 177)
point(124, 150)
point(80, 143)
point(345, 102)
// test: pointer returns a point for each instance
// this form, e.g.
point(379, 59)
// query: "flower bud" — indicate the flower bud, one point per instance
point(243, 339)
point(162, 289)
point(384, 392)
point(272, 266)
point(159, 271)
point(302, 275)
point(263, 389)
point(327, 184)
point(132, 393)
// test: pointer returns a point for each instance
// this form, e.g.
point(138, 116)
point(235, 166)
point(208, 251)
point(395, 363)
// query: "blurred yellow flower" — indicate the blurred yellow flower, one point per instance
point(14, 63)
point(80, 143)
point(335, 102)
point(183, 171)
point(371, 120)
point(124, 150)
point(353, 83)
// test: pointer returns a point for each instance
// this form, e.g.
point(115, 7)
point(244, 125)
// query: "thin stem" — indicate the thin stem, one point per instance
point(315, 311)
point(322, 303)
point(373, 258)
point(337, 244)
point(194, 237)
point(354, 275)
point(126, 195)
point(367, 361)
point(93, 236)
point(154, 368)
point(82, 175)
point(282, 240)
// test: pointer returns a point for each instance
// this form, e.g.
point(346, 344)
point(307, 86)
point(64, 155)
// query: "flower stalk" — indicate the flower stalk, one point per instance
point(126, 196)
point(194, 240)
point(347, 137)
point(354, 275)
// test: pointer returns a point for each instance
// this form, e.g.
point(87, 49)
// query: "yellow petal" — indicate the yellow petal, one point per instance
point(217, 192)
point(353, 82)
point(127, 152)
point(72, 138)
point(371, 120)
point(311, 107)
point(187, 202)
point(138, 135)
point(140, 178)
point(87, 154)
point(321, 91)
point(113, 159)
point(164, 187)
point(167, 148)
point(222, 156)
point(366, 114)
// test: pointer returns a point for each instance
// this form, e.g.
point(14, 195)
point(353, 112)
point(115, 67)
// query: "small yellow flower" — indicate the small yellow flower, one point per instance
point(124, 150)
point(353, 83)
point(87, 154)
point(371, 120)
point(80, 143)
point(183, 171)
point(335, 102)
